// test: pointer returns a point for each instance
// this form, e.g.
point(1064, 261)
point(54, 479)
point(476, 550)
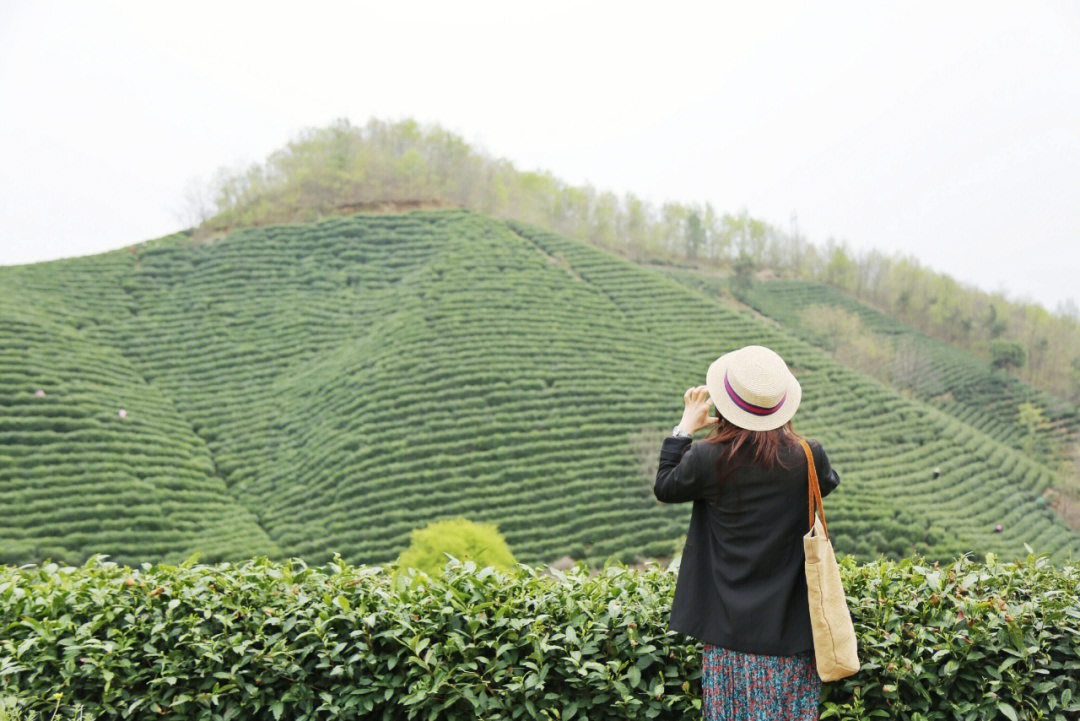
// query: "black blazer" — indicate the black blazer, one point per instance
point(742, 579)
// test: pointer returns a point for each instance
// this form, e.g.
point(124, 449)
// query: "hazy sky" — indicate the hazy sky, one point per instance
point(947, 130)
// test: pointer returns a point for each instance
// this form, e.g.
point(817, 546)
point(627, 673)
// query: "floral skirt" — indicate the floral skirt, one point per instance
point(739, 686)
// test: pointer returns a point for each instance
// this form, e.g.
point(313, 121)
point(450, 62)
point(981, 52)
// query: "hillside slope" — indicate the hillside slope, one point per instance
point(1041, 426)
point(955, 381)
point(345, 381)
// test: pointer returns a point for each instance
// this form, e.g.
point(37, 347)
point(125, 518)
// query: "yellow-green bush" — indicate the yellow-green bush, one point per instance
point(465, 540)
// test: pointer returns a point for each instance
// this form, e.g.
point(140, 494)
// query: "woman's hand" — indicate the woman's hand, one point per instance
point(696, 413)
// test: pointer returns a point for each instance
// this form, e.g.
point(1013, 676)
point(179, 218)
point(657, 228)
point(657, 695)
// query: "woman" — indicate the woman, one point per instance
point(742, 584)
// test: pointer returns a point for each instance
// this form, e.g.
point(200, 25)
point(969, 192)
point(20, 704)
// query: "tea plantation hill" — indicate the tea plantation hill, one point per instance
point(964, 386)
point(305, 389)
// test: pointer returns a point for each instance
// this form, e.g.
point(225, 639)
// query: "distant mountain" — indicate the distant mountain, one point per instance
point(311, 388)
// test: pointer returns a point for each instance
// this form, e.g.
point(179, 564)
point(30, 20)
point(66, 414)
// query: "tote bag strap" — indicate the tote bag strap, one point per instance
point(815, 490)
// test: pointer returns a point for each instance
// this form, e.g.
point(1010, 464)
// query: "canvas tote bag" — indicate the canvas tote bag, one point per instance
point(835, 647)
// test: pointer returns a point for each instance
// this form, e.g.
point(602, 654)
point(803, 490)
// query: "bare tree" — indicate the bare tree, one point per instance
point(198, 204)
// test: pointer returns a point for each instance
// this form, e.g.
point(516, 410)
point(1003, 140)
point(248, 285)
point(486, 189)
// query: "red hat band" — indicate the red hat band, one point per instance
point(748, 406)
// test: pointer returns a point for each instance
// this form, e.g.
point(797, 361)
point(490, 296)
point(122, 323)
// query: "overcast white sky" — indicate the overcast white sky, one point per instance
point(947, 130)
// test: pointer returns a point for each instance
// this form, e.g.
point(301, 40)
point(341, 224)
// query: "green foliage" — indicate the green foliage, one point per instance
point(839, 267)
point(995, 324)
point(843, 334)
point(695, 234)
point(263, 640)
point(1034, 423)
point(744, 274)
point(463, 539)
point(1006, 354)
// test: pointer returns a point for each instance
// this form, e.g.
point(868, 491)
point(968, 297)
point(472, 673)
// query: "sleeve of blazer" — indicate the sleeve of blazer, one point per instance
point(828, 478)
point(679, 474)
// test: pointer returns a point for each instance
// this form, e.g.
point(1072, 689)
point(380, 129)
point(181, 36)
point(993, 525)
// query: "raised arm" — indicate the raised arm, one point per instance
point(678, 474)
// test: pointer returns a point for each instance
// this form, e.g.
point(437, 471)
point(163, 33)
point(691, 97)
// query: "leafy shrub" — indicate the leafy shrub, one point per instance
point(264, 640)
point(465, 540)
point(1006, 353)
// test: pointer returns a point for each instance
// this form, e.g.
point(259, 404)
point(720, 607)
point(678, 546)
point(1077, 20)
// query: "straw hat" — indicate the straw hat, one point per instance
point(752, 388)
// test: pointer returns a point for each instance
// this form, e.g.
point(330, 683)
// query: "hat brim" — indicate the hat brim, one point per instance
point(726, 407)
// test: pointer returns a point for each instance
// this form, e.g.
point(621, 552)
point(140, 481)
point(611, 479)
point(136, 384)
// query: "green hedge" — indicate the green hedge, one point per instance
point(264, 640)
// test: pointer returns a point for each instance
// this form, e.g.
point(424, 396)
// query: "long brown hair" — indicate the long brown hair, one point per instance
point(765, 445)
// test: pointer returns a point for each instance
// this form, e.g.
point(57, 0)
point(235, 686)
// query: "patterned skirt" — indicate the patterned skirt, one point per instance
point(739, 686)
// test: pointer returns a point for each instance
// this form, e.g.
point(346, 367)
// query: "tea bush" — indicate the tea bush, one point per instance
point(263, 640)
